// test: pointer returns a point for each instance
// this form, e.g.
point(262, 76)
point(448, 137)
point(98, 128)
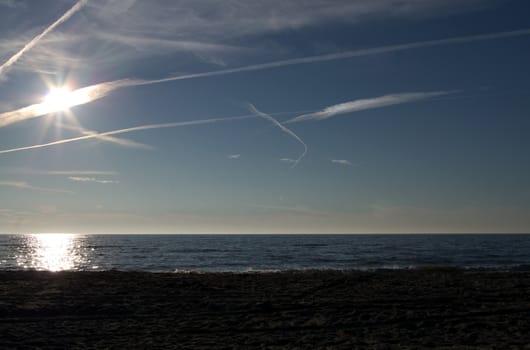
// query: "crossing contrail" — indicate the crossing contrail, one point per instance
point(115, 140)
point(284, 129)
point(127, 130)
point(97, 91)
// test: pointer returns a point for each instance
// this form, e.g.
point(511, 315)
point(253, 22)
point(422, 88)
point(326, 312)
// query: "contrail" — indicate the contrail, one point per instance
point(36, 39)
point(347, 54)
point(123, 131)
point(367, 103)
point(166, 125)
point(116, 140)
point(283, 128)
point(93, 92)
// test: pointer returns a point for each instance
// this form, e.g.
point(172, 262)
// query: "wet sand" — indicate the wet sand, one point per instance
point(438, 308)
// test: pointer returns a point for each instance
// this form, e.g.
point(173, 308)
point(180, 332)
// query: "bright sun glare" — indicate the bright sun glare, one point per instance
point(59, 99)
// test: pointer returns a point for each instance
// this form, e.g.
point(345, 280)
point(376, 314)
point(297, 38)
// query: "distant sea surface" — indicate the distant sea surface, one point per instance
point(170, 253)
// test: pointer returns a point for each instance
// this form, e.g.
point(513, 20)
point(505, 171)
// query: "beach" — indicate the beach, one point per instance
point(440, 308)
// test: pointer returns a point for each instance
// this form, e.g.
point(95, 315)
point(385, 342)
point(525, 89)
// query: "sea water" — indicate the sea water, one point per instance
point(170, 253)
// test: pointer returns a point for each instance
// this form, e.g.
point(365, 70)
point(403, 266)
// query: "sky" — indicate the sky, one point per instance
point(301, 116)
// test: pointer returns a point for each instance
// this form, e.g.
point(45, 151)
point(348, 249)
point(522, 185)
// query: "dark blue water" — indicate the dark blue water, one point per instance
point(259, 252)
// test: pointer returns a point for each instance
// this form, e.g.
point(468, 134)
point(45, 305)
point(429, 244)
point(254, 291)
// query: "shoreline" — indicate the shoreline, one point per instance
point(437, 307)
point(432, 268)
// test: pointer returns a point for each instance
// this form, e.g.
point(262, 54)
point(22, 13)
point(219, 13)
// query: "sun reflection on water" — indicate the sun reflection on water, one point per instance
point(53, 252)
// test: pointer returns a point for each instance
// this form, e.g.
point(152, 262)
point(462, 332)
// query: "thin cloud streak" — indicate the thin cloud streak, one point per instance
point(367, 103)
point(97, 91)
point(234, 156)
point(30, 171)
point(92, 179)
point(27, 186)
point(155, 44)
point(128, 130)
point(341, 161)
point(13, 59)
point(12, 4)
point(17, 184)
point(284, 129)
point(348, 54)
point(69, 172)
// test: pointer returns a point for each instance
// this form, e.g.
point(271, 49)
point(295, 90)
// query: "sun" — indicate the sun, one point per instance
point(59, 99)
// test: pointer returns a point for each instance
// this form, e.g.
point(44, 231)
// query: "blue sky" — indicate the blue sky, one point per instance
point(414, 115)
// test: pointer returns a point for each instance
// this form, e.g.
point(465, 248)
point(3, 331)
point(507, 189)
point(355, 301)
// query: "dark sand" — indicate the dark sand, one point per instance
point(417, 309)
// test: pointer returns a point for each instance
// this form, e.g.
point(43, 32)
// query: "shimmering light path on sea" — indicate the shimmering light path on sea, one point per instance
point(169, 253)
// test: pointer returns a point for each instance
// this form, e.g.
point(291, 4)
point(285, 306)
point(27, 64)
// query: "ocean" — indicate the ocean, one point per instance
point(247, 253)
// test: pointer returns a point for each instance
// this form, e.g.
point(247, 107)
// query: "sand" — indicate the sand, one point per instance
point(440, 308)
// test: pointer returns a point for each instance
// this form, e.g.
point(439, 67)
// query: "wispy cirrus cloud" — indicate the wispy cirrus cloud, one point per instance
point(368, 103)
point(13, 59)
point(92, 179)
point(13, 4)
point(157, 45)
point(231, 19)
point(27, 186)
point(54, 53)
point(61, 172)
point(234, 156)
point(115, 31)
point(17, 184)
point(341, 161)
point(97, 91)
